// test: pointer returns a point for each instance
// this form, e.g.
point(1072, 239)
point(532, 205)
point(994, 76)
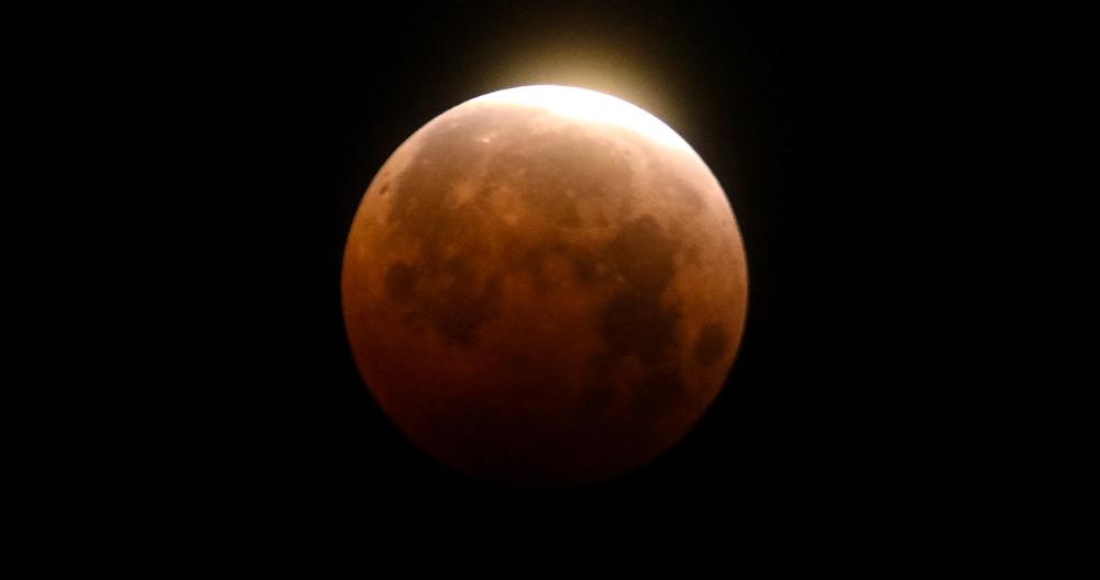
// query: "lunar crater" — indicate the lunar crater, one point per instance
point(711, 344)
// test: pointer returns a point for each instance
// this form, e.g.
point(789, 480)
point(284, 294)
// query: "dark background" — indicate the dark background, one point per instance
point(272, 124)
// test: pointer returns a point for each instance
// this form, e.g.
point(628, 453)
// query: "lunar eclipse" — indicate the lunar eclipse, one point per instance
point(544, 286)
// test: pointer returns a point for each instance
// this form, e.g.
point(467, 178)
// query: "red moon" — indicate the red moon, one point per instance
point(544, 286)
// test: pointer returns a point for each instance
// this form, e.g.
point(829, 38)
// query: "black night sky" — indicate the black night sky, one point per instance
point(278, 121)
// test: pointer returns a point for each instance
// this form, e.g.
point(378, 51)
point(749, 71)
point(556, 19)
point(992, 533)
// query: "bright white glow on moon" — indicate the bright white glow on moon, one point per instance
point(589, 106)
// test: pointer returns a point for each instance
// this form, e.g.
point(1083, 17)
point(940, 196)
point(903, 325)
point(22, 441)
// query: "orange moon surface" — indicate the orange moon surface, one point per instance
point(544, 286)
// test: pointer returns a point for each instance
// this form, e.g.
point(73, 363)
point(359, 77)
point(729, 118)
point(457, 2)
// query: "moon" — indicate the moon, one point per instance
point(544, 286)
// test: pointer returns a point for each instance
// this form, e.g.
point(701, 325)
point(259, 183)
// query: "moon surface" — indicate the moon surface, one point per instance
point(544, 286)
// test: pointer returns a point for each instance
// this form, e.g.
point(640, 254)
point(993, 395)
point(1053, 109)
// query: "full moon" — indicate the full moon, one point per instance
point(544, 286)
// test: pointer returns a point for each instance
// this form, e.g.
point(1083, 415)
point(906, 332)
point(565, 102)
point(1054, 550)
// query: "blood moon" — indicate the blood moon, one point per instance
point(544, 286)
